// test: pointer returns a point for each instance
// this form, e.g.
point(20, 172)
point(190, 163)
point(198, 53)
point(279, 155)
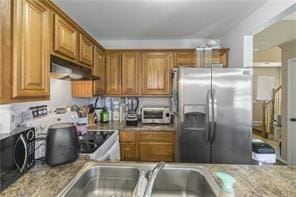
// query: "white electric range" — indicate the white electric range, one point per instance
point(99, 145)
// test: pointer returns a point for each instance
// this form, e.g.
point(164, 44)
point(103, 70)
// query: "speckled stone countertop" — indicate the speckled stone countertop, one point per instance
point(268, 181)
point(261, 181)
point(43, 180)
point(116, 125)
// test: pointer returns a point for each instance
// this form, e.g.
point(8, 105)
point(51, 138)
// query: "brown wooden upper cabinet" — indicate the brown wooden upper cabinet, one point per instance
point(156, 68)
point(217, 56)
point(31, 49)
point(86, 51)
point(113, 73)
point(82, 88)
point(130, 73)
point(185, 58)
point(99, 70)
point(123, 73)
point(220, 56)
point(65, 38)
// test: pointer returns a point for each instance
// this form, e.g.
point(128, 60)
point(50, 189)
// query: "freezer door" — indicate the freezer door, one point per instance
point(232, 104)
point(193, 133)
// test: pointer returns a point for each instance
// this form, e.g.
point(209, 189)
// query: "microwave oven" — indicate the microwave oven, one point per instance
point(157, 115)
point(17, 154)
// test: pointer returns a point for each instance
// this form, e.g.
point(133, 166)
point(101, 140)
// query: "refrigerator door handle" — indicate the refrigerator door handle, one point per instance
point(215, 114)
point(210, 117)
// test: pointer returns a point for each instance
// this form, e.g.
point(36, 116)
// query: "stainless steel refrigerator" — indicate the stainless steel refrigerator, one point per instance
point(214, 114)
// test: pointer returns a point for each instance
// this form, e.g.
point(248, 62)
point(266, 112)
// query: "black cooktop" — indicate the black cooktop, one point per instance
point(91, 141)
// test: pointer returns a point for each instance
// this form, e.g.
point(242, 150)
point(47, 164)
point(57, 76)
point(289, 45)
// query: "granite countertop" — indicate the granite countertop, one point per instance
point(117, 125)
point(46, 181)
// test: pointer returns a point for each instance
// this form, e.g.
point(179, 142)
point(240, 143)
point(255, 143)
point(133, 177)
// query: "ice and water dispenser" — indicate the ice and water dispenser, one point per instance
point(195, 117)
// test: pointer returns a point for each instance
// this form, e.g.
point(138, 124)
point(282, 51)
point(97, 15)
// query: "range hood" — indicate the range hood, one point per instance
point(66, 70)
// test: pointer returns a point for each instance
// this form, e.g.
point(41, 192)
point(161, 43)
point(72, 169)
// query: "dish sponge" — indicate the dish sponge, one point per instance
point(227, 182)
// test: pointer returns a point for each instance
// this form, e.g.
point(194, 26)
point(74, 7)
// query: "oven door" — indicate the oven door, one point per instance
point(152, 115)
point(21, 153)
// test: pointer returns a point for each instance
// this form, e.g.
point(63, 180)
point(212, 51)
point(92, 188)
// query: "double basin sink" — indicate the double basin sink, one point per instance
point(125, 180)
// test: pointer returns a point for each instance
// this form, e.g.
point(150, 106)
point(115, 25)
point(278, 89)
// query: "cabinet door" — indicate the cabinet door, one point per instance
point(113, 74)
point(86, 51)
point(217, 56)
point(82, 88)
point(128, 151)
point(184, 58)
point(156, 151)
point(31, 49)
point(99, 70)
point(156, 73)
point(65, 38)
point(220, 56)
point(130, 73)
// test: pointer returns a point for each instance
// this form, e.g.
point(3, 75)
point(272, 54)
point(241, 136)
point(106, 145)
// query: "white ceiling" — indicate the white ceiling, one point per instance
point(158, 19)
point(279, 33)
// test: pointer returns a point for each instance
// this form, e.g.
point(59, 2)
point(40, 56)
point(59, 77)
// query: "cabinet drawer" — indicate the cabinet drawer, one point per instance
point(156, 136)
point(156, 151)
point(128, 151)
point(127, 136)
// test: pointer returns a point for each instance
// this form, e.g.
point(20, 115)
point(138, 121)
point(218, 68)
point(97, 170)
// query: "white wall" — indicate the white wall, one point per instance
point(152, 44)
point(60, 96)
point(234, 39)
point(288, 52)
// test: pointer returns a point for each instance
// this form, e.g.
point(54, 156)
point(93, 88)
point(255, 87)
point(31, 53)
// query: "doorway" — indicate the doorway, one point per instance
point(291, 113)
point(267, 96)
point(273, 49)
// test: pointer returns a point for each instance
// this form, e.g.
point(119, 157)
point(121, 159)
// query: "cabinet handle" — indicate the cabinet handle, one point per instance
point(127, 149)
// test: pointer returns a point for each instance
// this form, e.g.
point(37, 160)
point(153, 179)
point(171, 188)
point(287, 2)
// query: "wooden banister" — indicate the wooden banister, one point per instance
point(269, 108)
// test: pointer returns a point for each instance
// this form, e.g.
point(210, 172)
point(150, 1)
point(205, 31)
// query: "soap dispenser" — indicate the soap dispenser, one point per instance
point(104, 116)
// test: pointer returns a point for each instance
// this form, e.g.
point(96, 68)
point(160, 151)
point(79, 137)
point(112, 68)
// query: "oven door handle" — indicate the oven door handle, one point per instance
point(21, 167)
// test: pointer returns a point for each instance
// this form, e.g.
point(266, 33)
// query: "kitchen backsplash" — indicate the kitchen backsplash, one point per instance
point(60, 96)
point(142, 102)
point(154, 101)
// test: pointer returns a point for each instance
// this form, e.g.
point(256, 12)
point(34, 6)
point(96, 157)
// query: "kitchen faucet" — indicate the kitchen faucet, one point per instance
point(152, 178)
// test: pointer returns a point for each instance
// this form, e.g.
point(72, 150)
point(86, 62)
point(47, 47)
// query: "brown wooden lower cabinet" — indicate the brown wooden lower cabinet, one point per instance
point(155, 151)
point(147, 146)
point(128, 151)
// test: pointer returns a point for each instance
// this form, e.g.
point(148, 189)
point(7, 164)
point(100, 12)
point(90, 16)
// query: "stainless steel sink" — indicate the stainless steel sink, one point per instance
point(130, 179)
point(105, 181)
point(183, 182)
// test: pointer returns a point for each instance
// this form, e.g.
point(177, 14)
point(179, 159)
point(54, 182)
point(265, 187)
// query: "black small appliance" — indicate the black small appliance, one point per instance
point(131, 117)
point(62, 144)
point(17, 154)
